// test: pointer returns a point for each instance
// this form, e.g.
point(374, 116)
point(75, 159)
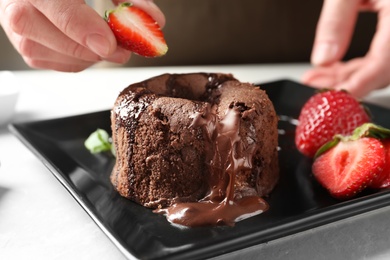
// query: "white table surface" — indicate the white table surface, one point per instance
point(39, 219)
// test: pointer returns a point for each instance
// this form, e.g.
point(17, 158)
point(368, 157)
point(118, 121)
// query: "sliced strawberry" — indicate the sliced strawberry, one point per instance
point(324, 115)
point(349, 166)
point(136, 31)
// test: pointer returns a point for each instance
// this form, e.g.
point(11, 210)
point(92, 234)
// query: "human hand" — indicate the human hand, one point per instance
point(335, 27)
point(64, 35)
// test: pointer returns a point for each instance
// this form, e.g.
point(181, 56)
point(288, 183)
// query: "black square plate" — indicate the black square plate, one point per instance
point(298, 203)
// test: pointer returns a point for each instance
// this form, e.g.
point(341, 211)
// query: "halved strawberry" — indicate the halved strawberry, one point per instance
point(324, 115)
point(136, 30)
point(350, 166)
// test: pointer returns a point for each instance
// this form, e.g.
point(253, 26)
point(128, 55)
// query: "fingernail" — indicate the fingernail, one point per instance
point(324, 53)
point(98, 44)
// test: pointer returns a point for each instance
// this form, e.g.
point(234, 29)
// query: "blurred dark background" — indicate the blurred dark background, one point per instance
point(204, 32)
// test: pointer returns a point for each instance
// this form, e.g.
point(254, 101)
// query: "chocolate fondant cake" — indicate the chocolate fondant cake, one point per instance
point(182, 139)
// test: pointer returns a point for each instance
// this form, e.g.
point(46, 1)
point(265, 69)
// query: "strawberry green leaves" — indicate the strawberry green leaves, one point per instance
point(365, 130)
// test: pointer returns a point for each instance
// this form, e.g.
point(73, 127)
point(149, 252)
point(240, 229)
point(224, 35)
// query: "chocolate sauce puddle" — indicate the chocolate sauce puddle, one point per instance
point(222, 205)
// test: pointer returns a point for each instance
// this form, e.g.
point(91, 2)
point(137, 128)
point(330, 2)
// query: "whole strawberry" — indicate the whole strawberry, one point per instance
point(136, 30)
point(324, 115)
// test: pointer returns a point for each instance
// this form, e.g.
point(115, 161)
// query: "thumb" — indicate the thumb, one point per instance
point(334, 31)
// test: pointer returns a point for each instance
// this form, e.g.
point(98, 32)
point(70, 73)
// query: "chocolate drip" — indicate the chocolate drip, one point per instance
point(209, 167)
point(221, 205)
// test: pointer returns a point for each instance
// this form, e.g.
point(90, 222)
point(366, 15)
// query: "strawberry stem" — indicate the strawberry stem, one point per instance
point(122, 5)
point(371, 130)
point(365, 130)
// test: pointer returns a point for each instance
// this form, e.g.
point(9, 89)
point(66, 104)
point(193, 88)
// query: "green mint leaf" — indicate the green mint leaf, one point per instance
point(98, 141)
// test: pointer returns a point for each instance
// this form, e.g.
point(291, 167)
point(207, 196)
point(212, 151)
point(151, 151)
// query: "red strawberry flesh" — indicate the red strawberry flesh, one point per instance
point(350, 166)
point(137, 31)
point(383, 180)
